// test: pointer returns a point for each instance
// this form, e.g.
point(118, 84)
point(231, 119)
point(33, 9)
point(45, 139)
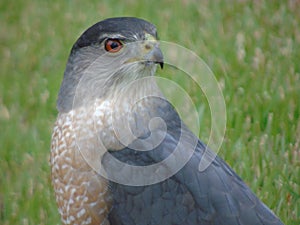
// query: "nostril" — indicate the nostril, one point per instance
point(147, 46)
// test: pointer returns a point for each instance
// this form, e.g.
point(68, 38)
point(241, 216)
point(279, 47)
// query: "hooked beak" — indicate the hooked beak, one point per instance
point(154, 54)
point(150, 53)
point(158, 57)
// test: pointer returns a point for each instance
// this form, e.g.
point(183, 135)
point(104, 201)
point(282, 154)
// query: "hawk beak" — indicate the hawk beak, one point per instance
point(154, 55)
point(161, 65)
point(158, 57)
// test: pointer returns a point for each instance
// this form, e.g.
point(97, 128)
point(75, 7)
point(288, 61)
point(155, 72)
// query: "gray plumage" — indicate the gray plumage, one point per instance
point(216, 195)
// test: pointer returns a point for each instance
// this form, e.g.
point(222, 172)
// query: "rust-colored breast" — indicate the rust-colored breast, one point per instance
point(82, 195)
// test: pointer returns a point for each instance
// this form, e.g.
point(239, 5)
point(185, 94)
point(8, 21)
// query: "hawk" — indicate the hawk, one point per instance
point(120, 154)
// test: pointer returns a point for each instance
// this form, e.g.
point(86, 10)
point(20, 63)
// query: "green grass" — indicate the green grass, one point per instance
point(253, 48)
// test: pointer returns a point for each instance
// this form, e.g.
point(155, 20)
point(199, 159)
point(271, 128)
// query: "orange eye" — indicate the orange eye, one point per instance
point(113, 45)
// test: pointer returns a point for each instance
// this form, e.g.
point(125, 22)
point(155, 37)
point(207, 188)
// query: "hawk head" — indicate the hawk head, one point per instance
point(106, 57)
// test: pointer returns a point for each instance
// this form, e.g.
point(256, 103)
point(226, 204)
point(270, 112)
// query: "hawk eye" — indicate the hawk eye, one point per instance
point(113, 45)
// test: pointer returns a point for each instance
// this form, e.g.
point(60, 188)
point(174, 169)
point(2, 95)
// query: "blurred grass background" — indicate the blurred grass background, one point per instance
point(253, 48)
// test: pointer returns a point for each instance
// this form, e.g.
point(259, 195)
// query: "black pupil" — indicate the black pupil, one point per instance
point(114, 44)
